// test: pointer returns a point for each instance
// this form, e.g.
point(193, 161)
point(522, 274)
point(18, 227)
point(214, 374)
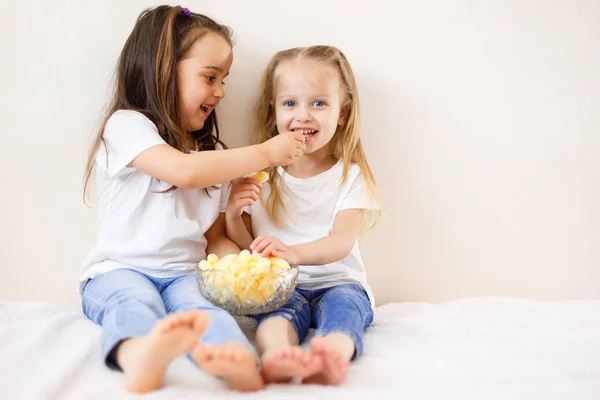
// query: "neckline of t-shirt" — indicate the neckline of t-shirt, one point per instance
point(311, 179)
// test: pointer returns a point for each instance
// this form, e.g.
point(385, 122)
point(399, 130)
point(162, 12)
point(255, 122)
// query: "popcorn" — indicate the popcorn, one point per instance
point(260, 176)
point(244, 278)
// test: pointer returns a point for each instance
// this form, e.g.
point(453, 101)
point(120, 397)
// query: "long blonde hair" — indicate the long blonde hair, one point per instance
point(345, 143)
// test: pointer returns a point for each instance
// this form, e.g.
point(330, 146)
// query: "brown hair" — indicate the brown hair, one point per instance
point(146, 77)
point(345, 143)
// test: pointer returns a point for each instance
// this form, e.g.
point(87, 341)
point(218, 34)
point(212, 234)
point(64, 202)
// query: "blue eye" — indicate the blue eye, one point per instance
point(210, 78)
point(289, 103)
point(318, 103)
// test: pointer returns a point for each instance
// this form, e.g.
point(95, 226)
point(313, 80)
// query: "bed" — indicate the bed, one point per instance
point(484, 348)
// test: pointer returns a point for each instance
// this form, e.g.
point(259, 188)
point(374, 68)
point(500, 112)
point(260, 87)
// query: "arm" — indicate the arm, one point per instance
point(333, 247)
point(238, 229)
point(217, 242)
point(209, 168)
point(244, 193)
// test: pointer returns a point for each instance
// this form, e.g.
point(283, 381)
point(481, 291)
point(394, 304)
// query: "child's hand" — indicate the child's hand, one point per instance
point(284, 148)
point(269, 246)
point(244, 192)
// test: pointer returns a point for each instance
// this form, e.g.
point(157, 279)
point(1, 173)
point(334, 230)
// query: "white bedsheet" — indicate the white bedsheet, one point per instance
point(468, 349)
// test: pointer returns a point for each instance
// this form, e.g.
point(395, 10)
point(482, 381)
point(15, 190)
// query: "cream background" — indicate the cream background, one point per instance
point(480, 120)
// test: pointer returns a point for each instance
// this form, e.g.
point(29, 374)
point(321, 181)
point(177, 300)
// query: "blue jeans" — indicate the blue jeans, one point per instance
point(342, 308)
point(128, 304)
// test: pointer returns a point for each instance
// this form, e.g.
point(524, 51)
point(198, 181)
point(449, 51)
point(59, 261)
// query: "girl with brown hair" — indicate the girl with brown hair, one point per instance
point(161, 174)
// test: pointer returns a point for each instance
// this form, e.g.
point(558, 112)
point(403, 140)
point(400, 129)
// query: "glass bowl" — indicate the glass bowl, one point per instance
point(247, 293)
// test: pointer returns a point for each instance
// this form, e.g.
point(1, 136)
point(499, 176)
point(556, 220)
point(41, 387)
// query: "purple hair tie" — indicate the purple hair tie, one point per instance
point(186, 11)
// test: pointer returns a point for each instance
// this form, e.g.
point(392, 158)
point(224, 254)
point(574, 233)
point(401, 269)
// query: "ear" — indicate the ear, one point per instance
point(344, 111)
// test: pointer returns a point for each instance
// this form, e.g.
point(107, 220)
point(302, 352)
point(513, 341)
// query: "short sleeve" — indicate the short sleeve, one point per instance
point(358, 195)
point(126, 135)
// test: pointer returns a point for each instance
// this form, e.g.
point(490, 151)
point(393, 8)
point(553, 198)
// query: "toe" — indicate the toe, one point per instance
point(200, 321)
point(303, 355)
point(225, 353)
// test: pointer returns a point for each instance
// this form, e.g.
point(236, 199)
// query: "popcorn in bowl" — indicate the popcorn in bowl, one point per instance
point(246, 283)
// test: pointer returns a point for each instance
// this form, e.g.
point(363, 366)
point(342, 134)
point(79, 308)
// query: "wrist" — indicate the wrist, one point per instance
point(232, 217)
point(263, 154)
point(295, 255)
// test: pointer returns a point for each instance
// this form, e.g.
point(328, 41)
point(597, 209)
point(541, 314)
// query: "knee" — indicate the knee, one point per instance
point(142, 305)
point(220, 317)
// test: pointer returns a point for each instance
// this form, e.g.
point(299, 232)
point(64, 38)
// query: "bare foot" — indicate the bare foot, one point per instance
point(232, 362)
point(145, 359)
point(283, 365)
point(335, 366)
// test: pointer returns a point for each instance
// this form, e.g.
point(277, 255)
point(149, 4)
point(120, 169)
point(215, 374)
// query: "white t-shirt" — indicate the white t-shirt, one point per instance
point(160, 234)
point(311, 205)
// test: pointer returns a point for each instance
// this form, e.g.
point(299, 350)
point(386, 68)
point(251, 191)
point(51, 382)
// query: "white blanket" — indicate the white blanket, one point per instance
point(468, 349)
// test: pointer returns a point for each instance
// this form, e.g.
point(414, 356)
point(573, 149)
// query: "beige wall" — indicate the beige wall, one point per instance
point(480, 120)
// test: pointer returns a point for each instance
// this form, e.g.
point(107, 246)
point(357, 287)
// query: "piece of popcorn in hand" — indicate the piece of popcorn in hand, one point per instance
point(260, 176)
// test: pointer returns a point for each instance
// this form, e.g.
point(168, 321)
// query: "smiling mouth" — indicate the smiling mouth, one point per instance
point(207, 108)
point(308, 133)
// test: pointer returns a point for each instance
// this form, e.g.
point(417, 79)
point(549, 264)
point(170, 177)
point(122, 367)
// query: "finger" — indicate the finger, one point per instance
point(249, 188)
point(249, 203)
point(268, 250)
point(251, 182)
point(258, 241)
point(240, 210)
point(247, 194)
point(286, 255)
point(299, 137)
point(279, 253)
point(255, 241)
point(239, 182)
point(244, 203)
point(256, 189)
point(262, 246)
